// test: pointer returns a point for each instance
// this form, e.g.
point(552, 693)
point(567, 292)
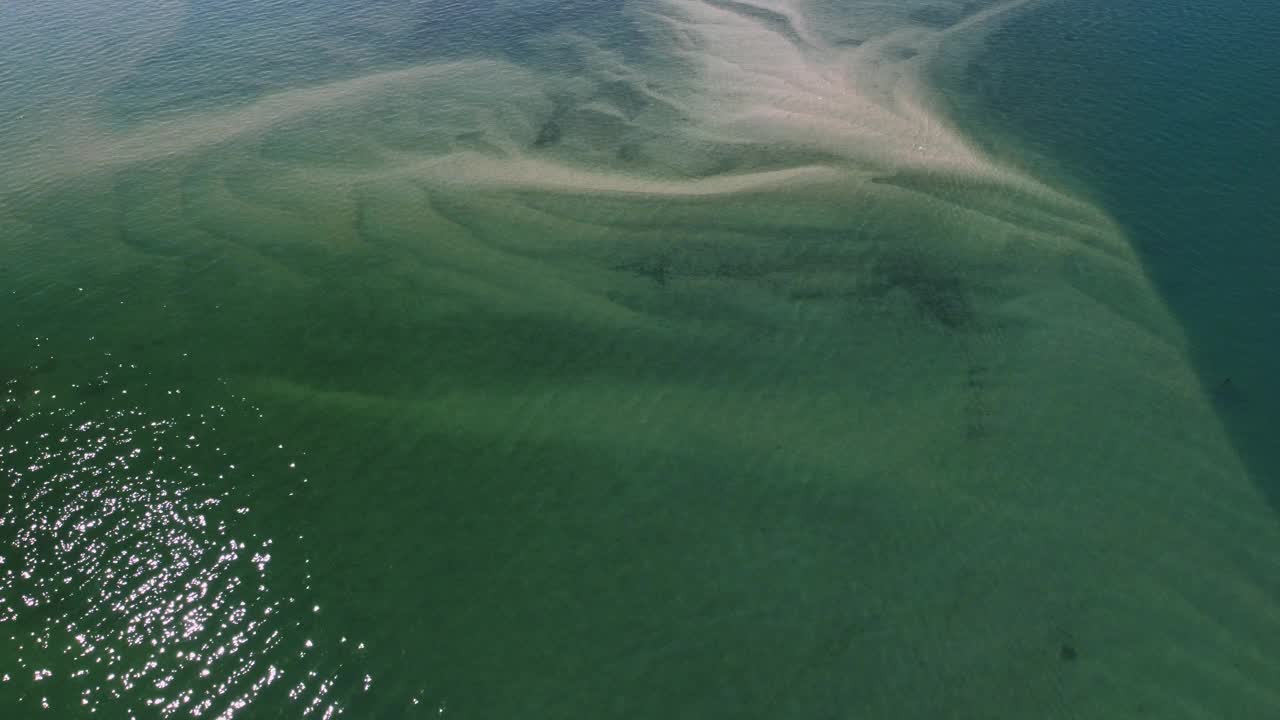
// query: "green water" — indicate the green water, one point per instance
point(645, 359)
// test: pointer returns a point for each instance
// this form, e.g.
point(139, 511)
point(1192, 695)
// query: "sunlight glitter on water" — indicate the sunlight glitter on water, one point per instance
point(123, 576)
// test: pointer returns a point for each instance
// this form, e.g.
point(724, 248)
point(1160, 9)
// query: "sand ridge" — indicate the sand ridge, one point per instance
point(914, 425)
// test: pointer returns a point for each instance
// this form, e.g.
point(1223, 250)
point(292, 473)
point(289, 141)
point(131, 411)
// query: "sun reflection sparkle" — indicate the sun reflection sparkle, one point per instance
point(124, 582)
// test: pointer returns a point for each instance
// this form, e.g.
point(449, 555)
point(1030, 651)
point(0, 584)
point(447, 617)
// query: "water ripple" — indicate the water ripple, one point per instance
point(125, 580)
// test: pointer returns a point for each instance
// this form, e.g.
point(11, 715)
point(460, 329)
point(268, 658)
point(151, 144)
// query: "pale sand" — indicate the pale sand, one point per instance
point(975, 353)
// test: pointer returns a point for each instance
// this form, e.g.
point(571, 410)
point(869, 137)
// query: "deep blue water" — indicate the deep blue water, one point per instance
point(1168, 113)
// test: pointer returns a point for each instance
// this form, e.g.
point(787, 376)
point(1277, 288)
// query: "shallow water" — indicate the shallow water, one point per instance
point(660, 358)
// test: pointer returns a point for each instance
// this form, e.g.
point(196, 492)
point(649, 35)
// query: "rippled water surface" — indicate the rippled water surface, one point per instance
point(1175, 139)
point(638, 358)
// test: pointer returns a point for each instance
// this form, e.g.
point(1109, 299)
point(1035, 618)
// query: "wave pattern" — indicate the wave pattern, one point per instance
point(716, 374)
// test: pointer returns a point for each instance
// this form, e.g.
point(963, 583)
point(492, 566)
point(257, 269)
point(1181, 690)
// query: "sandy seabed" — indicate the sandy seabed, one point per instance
point(749, 269)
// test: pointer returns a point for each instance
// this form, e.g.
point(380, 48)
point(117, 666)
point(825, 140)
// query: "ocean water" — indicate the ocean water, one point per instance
point(659, 358)
point(1183, 156)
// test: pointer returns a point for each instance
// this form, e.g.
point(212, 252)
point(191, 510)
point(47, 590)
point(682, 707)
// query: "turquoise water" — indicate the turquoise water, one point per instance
point(639, 359)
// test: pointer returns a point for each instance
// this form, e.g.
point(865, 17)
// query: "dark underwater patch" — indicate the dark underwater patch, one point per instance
point(939, 295)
